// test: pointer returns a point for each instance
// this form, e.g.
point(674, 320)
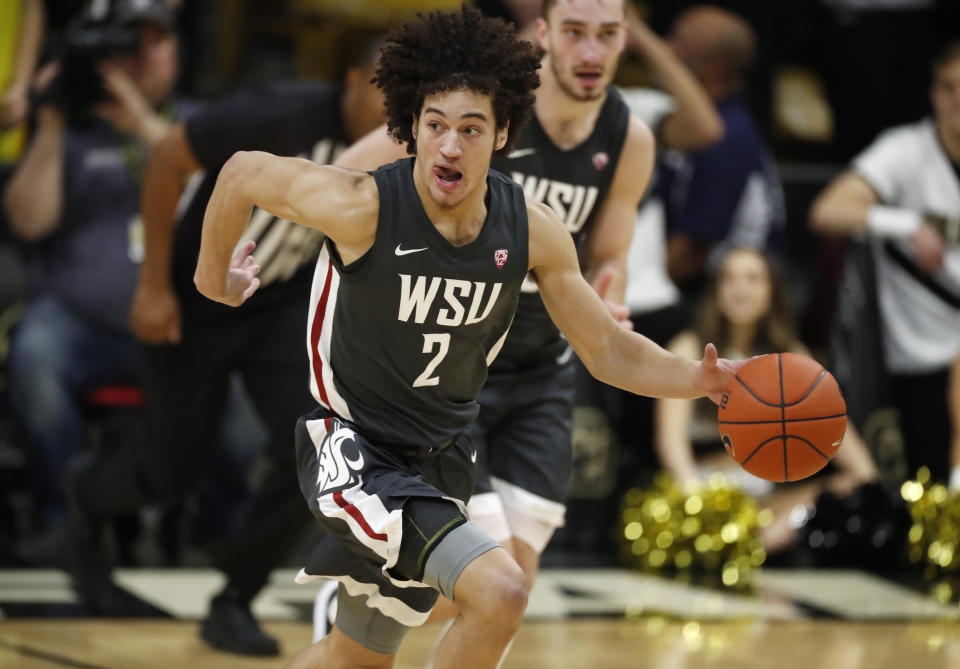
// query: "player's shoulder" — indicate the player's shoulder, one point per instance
point(544, 223)
point(639, 137)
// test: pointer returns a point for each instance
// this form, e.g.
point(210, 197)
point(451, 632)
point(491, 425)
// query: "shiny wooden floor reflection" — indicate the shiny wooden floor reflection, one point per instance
point(643, 644)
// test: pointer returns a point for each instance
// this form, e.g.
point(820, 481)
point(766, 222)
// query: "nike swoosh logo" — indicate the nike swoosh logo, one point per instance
point(403, 252)
point(520, 153)
point(473, 457)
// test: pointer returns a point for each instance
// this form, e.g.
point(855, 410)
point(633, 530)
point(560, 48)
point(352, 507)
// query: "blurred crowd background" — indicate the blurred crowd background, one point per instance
point(725, 249)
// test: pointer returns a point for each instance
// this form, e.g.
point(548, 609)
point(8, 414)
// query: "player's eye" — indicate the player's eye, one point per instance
point(472, 130)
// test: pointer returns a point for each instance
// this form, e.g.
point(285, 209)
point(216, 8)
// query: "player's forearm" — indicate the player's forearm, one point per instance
point(632, 362)
point(227, 214)
point(163, 185)
point(34, 195)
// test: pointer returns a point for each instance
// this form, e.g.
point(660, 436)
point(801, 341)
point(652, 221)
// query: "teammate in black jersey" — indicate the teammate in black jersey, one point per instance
point(388, 476)
point(192, 346)
point(586, 157)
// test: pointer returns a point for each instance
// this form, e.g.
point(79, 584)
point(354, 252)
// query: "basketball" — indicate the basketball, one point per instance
point(782, 417)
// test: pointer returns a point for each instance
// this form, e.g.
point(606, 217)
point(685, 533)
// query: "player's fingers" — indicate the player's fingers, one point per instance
point(604, 281)
point(253, 270)
point(626, 324)
point(251, 289)
point(709, 356)
point(243, 253)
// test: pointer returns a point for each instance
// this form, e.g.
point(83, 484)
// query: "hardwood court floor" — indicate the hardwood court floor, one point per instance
point(649, 643)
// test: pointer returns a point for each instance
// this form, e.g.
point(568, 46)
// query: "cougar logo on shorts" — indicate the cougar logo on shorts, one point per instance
point(335, 469)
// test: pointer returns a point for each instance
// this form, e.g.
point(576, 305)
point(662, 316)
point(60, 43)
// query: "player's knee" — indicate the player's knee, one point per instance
point(502, 600)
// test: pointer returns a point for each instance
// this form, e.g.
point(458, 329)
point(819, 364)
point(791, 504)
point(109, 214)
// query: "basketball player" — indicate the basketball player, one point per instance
point(904, 192)
point(193, 345)
point(588, 159)
point(413, 296)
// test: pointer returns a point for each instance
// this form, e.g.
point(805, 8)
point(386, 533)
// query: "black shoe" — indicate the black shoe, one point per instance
point(231, 627)
point(86, 556)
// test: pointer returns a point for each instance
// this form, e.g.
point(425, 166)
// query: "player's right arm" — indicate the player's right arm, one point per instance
point(374, 149)
point(155, 312)
point(343, 204)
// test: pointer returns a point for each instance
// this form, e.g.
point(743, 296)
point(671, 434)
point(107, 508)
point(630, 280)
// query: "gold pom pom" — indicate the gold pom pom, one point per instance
point(712, 529)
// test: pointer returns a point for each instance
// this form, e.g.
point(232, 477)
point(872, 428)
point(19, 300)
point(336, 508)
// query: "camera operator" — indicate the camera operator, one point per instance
point(74, 199)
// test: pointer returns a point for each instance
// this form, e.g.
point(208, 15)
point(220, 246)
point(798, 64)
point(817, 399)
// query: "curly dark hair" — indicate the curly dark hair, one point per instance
point(451, 51)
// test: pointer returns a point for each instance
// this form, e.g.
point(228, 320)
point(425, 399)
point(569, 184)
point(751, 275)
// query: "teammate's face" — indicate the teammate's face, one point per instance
point(456, 136)
point(945, 96)
point(743, 287)
point(583, 40)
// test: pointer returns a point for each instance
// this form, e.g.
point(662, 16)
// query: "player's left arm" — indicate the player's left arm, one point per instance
point(607, 245)
point(611, 353)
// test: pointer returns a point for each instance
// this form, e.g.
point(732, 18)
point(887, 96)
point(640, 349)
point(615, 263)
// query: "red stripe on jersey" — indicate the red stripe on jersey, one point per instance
point(357, 516)
point(315, 331)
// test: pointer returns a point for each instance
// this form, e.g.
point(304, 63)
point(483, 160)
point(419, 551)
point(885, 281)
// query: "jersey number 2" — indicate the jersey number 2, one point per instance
point(430, 341)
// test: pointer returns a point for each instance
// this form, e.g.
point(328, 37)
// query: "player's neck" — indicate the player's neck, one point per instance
point(567, 121)
point(460, 224)
point(950, 142)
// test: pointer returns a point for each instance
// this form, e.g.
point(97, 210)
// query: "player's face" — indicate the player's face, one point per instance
point(584, 40)
point(945, 96)
point(456, 136)
point(743, 287)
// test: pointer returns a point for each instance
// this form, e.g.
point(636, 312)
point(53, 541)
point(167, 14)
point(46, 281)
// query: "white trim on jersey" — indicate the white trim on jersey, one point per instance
point(495, 349)
point(388, 606)
point(486, 512)
point(335, 401)
point(541, 508)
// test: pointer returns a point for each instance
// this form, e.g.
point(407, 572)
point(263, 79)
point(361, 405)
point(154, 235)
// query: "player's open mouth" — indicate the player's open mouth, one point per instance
point(589, 77)
point(447, 177)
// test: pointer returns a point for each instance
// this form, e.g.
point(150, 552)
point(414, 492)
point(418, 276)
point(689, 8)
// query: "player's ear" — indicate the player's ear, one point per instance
point(416, 122)
point(502, 135)
point(542, 30)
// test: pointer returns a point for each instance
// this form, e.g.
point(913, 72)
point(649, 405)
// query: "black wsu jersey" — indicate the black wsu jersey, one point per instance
point(574, 184)
point(400, 340)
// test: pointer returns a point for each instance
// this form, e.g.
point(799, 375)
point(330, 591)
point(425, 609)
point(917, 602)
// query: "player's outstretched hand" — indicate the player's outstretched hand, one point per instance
point(620, 312)
point(242, 281)
point(716, 373)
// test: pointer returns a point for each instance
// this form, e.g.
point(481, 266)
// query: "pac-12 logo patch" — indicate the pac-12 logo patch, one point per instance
point(600, 161)
point(500, 257)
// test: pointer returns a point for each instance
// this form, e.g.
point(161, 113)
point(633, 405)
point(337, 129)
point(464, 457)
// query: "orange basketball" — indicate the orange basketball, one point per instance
point(782, 417)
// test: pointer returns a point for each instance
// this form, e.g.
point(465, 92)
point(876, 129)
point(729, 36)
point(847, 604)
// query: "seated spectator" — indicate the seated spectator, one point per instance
point(75, 196)
point(745, 312)
point(903, 192)
point(729, 194)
